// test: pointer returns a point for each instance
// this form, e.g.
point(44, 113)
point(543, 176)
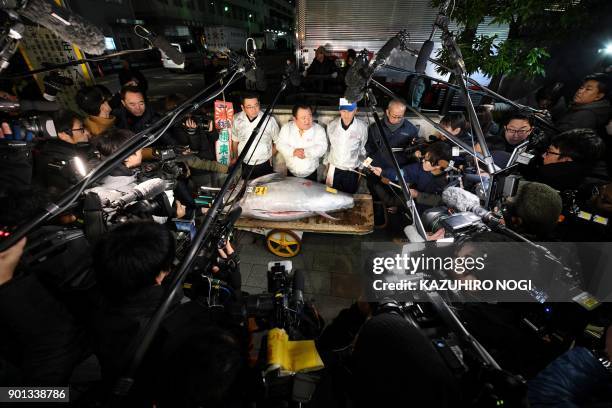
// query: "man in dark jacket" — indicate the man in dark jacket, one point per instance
point(399, 131)
point(590, 108)
point(40, 339)
point(135, 115)
point(426, 180)
point(131, 263)
point(55, 165)
point(569, 158)
point(322, 71)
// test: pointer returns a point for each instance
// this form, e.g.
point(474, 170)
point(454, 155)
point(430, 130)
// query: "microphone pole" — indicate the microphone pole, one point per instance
point(488, 91)
point(138, 141)
point(453, 139)
point(145, 337)
point(408, 200)
point(451, 46)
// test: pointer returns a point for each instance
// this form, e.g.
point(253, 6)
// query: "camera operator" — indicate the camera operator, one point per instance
point(386, 354)
point(580, 377)
point(518, 128)
point(569, 159)
point(534, 211)
point(457, 125)
point(95, 104)
point(199, 132)
point(40, 342)
point(56, 165)
point(132, 263)
point(381, 370)
point(426, 178)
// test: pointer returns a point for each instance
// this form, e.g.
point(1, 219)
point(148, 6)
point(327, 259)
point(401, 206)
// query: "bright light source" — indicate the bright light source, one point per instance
point(250, 16)
point(226, 8)
point(109, 43)
point(79, 166)
point(608, 49)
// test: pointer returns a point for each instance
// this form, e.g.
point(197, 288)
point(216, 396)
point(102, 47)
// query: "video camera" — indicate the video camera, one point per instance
point(164, 163)
point(283, 303)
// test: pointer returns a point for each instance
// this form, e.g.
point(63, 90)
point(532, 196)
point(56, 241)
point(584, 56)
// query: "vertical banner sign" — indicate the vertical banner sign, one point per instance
point(224, 119)
point(39, 45)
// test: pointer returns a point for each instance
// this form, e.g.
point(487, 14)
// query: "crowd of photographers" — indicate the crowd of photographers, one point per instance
point(88, 283)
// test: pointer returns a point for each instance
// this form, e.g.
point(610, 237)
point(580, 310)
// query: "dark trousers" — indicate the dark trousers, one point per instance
point(312, 176)
point(252, 172)
point(346, 181)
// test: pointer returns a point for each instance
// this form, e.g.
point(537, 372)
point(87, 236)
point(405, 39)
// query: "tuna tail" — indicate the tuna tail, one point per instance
point(326, 215)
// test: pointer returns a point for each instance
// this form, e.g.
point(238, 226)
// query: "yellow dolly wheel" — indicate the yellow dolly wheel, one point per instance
point(284, 243)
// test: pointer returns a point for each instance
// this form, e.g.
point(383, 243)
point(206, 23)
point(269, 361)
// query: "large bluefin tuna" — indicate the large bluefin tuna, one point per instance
point(275, 197)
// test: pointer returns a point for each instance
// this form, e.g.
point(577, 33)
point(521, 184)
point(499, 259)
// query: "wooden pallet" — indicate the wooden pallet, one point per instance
point(358, 220)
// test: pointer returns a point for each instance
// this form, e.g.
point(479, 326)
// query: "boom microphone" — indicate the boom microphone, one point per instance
point(67, 25)
point(463, 200)
point(427, 47)
point(356, 78)
point(360, 72)
point(163, 45)
point(424, 54)
point(143, 191)
point(25, 105)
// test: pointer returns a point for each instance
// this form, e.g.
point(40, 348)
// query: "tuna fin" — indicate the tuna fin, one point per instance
point(326, 215)
point(268, 178)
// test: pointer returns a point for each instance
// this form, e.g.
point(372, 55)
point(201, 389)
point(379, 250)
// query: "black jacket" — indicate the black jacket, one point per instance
point(402, 137)
point(125, 120)
point(116, 323)
point(53, 163)
point(593, 115)
point(327, 67)
point(560, 176)
point(39, 336)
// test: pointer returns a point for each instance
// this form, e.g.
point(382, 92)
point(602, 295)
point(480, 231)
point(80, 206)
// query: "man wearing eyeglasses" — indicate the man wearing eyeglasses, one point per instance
point(569, 158)
point(518, 128)
point(258, 160)
point(399, 131)
point(55, 167)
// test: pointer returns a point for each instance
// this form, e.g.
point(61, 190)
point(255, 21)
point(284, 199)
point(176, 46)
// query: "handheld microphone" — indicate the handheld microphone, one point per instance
point(143, 191)
point(463, 200)
point(65, 24)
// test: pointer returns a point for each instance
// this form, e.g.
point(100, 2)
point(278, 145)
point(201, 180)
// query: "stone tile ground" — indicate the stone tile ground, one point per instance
point(329, 262)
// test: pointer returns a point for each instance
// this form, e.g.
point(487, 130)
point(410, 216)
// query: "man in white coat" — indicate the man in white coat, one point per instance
point(347, 138)
point(302, 143)
point(257, 161)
